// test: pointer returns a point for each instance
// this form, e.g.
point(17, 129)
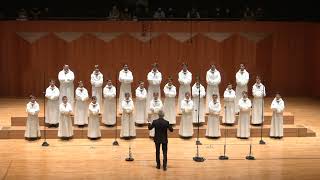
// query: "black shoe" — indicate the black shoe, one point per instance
point(158, 166)
point(164, 168)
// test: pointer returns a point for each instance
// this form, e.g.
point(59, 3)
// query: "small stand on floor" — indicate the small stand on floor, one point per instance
point(250, 156)
point(45, 143)
point(130, 157)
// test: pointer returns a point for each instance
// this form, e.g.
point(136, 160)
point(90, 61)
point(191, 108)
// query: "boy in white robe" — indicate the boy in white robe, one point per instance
point(258, 92)
point(243, 130)
point(184, 78)
point(66, 78)
point(32, 131)
point(65, 130)
point(213, 79)
point(140, 113)
point(125, 78)
point(97, 82)
point(229, 105)
point(242, 79)
point(94, 120)
point(213, 125)
point(128, 129)
point(169, 106)
point(277, 106)
point(186, 126)
point(81, 106)
point(52, 105)
point(109, 105)
point(154, 79)
point(198, 89)
point(154, 108)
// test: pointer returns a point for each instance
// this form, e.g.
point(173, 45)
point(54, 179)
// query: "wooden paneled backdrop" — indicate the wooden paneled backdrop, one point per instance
point(287, 59)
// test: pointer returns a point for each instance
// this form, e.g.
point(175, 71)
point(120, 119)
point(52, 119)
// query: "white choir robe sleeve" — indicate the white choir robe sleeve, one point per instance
point(96, 82)
point(109, 93)
point(141, 95)
point(245, 105)
point(125, 77)
point(52, 94)
point(94, 110)
point(214, 108)
point(195, 91)
point(154, 78)
point(229, 96)
point(66, 110)
point(127, 107)
point(277, 107)
point(66, 78)
point(213, 78)
point(155, 107)
point(170, 92)
point(185, 79)
point(243, 79)
point(187, 107)
point(33, 110)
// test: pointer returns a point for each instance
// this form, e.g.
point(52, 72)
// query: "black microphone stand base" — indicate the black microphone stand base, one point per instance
point(224, 157)
point(129, 159)
point(115, 143)
point(198, 142)
point(45, 143)
point(250, 157)
point(198, 159)
point(262, 142)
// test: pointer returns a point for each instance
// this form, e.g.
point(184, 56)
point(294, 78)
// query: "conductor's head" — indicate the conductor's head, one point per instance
point(161, 114)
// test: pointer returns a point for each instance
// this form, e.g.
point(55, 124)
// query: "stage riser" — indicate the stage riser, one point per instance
point(287, 119)
point(18, 132)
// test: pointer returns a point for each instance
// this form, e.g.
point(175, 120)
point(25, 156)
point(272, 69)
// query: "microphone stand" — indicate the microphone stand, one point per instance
point(224, 157)
point(250, 156)
point(45, 143)
point(198, 158)
point(115, 142)
point(198, 121)
point(262, 118)
point(130, 157)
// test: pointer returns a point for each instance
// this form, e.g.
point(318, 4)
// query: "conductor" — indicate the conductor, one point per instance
point(161, 137)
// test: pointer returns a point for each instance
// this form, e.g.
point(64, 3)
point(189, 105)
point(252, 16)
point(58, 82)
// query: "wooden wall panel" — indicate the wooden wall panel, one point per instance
point(280, 58)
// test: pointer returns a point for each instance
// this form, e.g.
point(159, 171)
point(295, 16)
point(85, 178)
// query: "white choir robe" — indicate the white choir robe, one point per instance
point(155, 107)
point(97, 82)
point(154, 80)
point(195, 96)
point(32, 126)
point(258, 92)
point(213, 125)
point(65, 122)
point(94, 121)
point(52, 105)
point(81, 107)
point(169, 105)
point(125, 78)
point(184, 80)
point(66, 86)
point(276, 129)
point(186, 126)
point(109, 105)
point(243, 130)
point(242, 80)
point(140, 113)
point(213, 79)
point(128, 128)
point(229, 106)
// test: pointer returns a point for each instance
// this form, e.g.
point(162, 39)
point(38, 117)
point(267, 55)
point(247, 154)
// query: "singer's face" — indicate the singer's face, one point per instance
point(125, 67)
point(213, 67)
point(109, 83)
point(278, 96)
point(80, 85)
point(258, 81)
point(229, 87)
point(94, 101)
point(96, 71)
point(52, 83)
point(242, 67)
point(65, 100)
point(33, 100)
point(66, 68)
point(214, 98)
point(141, 85)
point(184, 68)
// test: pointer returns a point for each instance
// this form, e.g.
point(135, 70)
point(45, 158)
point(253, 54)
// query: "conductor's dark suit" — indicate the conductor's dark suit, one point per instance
point(161, 137)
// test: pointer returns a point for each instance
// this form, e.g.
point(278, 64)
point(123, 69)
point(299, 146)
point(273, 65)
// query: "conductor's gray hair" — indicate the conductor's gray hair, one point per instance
point(161, 114)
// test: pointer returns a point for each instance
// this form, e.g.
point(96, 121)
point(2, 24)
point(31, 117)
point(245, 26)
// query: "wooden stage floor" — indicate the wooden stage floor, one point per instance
point(288, 158)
